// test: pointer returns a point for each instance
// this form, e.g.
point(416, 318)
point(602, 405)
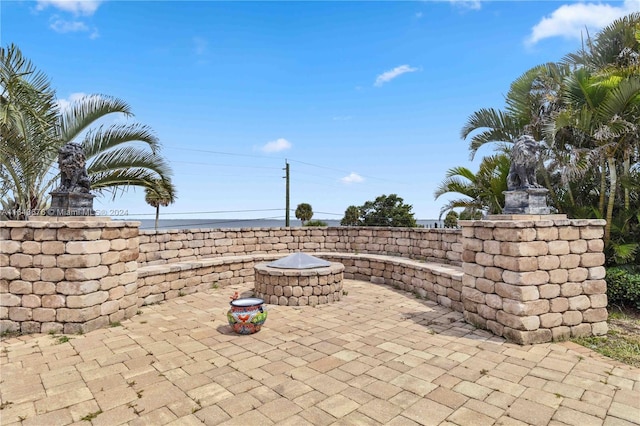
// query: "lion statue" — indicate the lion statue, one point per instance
point(73, 172)
point(522, 173)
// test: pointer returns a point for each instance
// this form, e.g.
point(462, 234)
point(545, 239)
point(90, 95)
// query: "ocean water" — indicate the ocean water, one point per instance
point(164, 224)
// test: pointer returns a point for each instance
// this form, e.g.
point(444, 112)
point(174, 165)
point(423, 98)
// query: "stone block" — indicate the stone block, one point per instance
point(78, 234)
point(559, 304)
point(53, 301)
point(523, 309)
point(493, 301)
point(493, 274)
point(44, 234)
point(8, 299)
point(595, 315)
point(31, 247)
point(31, 301)
point(517, 322)
point(578, 246)
point(598, 300)
point(559, 247)
point(517, 292)
point(579, 303)
point(558, 276)
point(10, 247)
point(530, 248)
point(87, 300)
point(549, 291)
point(20, 314)
point(78, 261)
point(52, 247)
point(514, 234)
point(473, 269)
point(595, 246)
point(549, 262)
point(588, 260)
point(487, 312)
point(84, 274)
point(569, 261)
point(44, 261)
point(526, 278)
point(577, 274)
point(570, 289)
point(561, 333)
point(591, 232)
point(547, 234)
point(77, 287)
point(20, 287)
point(568, 233)
point(484, 259)
point(581, 330)
point(517, 264)
point(491, 247)
point(484, 285)
point(495, 327)
point(550, 320)
point(473, 295)
point(44, 287)
point(30, 274)
point(599, 328)
point(571, 318)
point(9, 273)
point(527, 337)
point(20, 260)
point(44, 315)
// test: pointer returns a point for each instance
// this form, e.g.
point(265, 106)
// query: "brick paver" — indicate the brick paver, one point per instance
point(379, 356)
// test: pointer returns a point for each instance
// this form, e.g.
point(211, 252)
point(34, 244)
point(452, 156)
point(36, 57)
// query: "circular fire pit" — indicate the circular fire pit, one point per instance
point(299, 280)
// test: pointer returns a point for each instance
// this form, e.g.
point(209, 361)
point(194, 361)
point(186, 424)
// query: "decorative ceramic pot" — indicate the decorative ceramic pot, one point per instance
point(247, 315)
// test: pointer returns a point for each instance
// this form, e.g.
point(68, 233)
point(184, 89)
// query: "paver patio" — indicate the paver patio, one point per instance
point(379, 356)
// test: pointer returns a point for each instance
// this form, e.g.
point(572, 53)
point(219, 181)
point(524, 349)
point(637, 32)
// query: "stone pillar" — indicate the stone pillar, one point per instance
point(67, 274)
point(535, 278)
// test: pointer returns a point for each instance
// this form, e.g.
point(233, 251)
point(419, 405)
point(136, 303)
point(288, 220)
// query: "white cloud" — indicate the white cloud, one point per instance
point(78, 7)
point(353, 177)
point(387, 76)
point(278, 145)
point(570, 21)
point(63, 26)
point(467, 4)
point(63, 104)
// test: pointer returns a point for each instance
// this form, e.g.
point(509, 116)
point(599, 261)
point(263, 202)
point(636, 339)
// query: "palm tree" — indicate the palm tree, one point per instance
point(27, 133)
point(304, 212)
point(33, 128)
point(481, 191)
point(351, 216)
point(605, 113)
point(162, 193)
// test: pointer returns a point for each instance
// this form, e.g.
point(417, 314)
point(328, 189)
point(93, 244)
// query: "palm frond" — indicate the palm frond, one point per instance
point(85, 111)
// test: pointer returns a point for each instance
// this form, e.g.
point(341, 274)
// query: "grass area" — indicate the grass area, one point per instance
point(622, 342)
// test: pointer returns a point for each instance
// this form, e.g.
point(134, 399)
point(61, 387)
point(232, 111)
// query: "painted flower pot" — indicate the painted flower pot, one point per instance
point(247, 315)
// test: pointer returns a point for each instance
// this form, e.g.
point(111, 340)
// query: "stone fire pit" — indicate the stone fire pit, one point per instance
point(298, 280)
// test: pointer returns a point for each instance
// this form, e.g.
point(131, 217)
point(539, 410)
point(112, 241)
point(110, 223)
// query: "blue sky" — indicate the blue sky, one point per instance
point(361, 98)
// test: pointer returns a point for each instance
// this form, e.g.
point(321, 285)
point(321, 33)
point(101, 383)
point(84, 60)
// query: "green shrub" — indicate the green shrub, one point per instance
point(315, 223)
point(623, 286)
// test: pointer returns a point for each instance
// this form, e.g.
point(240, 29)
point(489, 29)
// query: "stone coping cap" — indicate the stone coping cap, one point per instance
point(294, 229)
point(530, 223)
point(68, 223)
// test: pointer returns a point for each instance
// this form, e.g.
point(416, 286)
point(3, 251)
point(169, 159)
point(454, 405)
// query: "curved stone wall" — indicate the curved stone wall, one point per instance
point(171, 246)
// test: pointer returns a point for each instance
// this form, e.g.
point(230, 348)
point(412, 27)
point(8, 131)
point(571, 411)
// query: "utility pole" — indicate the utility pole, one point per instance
point(287, 207)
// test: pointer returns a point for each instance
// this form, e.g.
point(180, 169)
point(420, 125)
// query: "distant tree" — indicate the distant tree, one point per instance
point(304, 212)
point(470, 213)
point(351, 217)
point(315, 223)
point(161, 193)
point(387, 211)
point(451, 220)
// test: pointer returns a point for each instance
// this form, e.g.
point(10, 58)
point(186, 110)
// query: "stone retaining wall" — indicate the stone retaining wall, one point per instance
point(535, 280)
point(438, 282)
point(67, 276)
point(170, 246)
